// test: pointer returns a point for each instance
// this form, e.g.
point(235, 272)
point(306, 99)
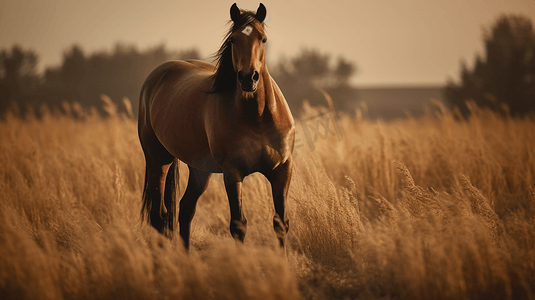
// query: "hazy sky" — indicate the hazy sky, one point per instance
point(390, 41)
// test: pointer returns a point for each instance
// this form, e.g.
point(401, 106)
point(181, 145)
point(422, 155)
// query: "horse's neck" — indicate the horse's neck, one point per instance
point(263, 99)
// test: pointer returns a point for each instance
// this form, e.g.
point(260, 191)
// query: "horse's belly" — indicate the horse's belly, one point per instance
point(203, 162)
point(194, 153)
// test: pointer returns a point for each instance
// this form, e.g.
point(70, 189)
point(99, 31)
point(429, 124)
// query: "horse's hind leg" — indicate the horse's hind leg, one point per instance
point(197, 184)
point(155, 197)
point(158, 161)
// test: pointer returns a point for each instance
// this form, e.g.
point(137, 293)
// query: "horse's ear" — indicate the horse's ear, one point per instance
point(235, 13)
point(261, 13)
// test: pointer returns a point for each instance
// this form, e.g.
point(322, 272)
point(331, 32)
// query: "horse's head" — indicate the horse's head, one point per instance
point(248, 43)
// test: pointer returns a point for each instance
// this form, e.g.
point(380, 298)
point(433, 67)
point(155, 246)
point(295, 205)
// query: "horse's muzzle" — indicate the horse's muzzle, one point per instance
point(248, 81)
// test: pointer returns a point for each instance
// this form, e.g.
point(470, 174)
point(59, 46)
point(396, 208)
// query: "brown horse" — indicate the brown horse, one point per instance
point(230, 118)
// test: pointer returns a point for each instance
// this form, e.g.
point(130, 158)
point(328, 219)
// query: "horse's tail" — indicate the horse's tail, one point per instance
point(147, 199)
point(171, 194)
point(165, 223)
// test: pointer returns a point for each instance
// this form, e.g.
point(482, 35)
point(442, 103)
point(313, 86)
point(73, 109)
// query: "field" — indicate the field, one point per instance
point(427, 208)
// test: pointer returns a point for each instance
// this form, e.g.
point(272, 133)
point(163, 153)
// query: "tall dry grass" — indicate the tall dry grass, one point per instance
point(429, 208)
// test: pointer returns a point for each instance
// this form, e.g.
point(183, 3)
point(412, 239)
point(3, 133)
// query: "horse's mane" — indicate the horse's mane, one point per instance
point(225, 76)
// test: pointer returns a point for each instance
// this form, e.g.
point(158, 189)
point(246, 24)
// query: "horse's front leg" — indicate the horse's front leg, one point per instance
point(238, 223)
point(280, 182)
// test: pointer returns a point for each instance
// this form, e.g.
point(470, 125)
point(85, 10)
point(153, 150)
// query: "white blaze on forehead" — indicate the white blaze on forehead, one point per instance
point(247, 30)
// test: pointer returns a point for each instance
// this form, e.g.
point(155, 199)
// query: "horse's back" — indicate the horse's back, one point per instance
point(170, 83)
point(172, 107)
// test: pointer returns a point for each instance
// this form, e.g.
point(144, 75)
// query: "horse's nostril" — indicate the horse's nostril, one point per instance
point(256, 76)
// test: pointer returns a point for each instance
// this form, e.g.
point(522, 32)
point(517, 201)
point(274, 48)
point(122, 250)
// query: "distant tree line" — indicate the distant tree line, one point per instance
point(504, 78)
point(119, 73)
point(19, 81)
point(301, 77)
point(80, 78)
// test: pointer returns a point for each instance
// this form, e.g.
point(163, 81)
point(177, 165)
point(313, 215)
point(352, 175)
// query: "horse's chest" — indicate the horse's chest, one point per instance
point(252, 151)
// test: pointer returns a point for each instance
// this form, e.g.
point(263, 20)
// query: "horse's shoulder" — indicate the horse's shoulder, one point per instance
point(277, 92)
point(276, 89)
point(283, 113)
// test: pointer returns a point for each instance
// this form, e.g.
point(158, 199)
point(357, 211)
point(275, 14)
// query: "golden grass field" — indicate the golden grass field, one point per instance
point(426, 208)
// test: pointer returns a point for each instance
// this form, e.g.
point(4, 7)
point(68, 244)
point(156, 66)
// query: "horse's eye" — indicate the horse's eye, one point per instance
point(264, 40)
